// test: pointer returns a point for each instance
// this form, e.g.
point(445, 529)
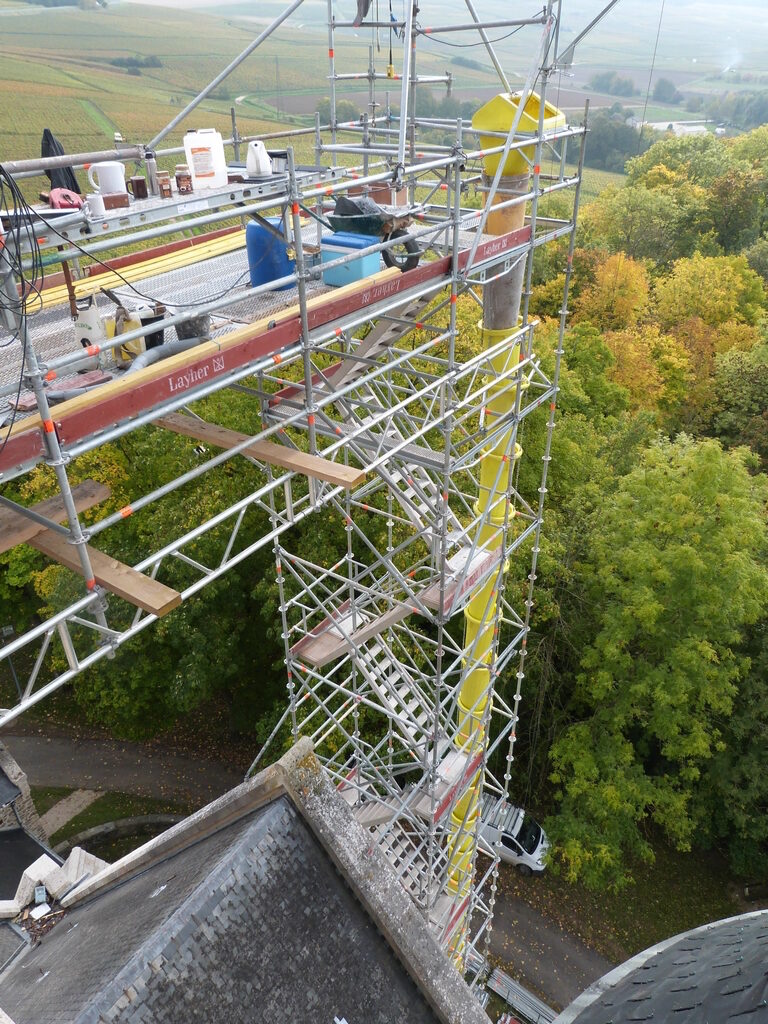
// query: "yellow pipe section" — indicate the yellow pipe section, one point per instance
point(479, 626)
point(480, 613)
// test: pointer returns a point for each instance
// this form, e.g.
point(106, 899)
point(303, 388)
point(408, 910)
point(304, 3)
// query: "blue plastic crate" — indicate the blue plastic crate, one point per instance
point(334, 246)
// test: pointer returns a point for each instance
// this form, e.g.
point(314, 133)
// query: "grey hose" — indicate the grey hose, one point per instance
point(168, 348)
point(146, 358)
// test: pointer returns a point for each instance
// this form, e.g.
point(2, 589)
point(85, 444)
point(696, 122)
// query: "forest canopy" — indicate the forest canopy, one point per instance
point(645, 710)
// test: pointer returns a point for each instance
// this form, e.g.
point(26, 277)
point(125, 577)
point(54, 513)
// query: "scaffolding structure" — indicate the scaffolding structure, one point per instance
point(374, 409)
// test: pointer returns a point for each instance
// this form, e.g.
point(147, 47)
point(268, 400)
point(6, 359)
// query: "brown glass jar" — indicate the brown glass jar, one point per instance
point(183, 179)
point(164, 184)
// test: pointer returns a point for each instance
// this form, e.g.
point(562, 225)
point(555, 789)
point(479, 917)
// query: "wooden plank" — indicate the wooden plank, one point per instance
point(266, 451)
point(117, 577)
point(16, 529)
point(325, 644)
point(159, 264)
point(57, 279)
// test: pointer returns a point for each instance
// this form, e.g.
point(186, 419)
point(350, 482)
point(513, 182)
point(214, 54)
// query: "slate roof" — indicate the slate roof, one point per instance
point(268, 906)
point(11, 941)
point(715, 974)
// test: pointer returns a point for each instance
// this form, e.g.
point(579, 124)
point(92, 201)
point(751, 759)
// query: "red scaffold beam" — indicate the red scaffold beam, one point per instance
point(155, 386)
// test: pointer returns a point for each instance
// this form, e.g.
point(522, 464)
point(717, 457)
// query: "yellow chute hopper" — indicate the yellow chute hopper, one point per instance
point(498, 114)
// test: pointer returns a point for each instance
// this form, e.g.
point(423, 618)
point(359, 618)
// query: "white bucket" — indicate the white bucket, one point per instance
point(204, 150)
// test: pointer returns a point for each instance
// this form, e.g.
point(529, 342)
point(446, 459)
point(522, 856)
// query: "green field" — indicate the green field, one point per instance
point(57, 74)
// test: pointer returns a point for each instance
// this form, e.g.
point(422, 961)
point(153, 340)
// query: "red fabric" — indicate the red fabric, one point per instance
point(64, 199)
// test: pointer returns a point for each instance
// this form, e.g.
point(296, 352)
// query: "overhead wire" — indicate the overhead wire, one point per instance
point(620, 261)
point(467, 46)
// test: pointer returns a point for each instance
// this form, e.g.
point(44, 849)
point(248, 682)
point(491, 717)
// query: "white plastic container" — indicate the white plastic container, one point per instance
point(257, 161)
point(89, 330)
point(204, 150)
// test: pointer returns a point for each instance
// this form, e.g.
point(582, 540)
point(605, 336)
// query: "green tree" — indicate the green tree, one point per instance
point(673, 575)
point(665, 91)
point(224, 645)
point(613, 139)
point(734, 790)
point(734, 202)
point(644, 224)
point(741, 396)
point(589, 359)
point(752, 148)
point(346, 110)
point(699, 159)
point(757, 258)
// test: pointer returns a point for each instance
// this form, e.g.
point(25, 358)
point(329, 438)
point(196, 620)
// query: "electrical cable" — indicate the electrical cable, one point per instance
point(467, 46)
point(653, 68)
point(137, 291)
point(642, 121)
point(20, 232)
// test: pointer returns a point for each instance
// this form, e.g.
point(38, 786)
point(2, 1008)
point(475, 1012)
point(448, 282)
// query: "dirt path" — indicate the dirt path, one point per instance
point(67, 809)
point(121, 767)
point(539, 954)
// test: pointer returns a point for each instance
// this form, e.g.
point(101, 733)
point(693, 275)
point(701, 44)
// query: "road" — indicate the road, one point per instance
point(553, 964)
point(120, 767)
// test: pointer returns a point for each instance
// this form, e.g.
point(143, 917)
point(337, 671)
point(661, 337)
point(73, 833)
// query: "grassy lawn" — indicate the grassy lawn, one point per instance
point(677, 892)
point(44, 797)
point(112, 807)
point(112, 848)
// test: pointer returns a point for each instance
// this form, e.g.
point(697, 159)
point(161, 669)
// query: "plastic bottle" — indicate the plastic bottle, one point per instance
point(204, 149)
point(89, 329)
point(257, 161)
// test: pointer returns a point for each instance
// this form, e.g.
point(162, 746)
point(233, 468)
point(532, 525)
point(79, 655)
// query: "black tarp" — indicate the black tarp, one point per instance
point(362, 10)
point(8, 790)
point(59, 177)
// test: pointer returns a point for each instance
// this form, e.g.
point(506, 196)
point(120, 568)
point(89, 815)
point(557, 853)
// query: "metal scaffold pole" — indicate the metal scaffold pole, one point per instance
point(376, 410)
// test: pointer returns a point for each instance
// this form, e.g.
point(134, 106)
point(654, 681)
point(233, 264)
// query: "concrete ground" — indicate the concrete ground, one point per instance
point(551, 963)
point(116, 766)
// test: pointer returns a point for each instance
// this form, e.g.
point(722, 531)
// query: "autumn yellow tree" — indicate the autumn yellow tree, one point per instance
point(717, 289)
point(653, 367)
point(618, 297)
point(702, 344)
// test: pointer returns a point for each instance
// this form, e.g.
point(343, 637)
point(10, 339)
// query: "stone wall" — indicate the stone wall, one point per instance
point(25, 809)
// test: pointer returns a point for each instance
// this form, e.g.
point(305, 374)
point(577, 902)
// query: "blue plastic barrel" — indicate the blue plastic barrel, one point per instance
point(267, 256)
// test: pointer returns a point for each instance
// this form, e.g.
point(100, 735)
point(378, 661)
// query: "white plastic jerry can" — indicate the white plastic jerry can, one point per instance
point(204, 149)
point(89, 330)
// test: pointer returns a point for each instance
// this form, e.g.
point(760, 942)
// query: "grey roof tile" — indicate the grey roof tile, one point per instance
point(712, 975)
point(252, 924)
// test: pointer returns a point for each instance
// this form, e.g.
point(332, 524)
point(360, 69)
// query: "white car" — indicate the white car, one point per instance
point(519, 839)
